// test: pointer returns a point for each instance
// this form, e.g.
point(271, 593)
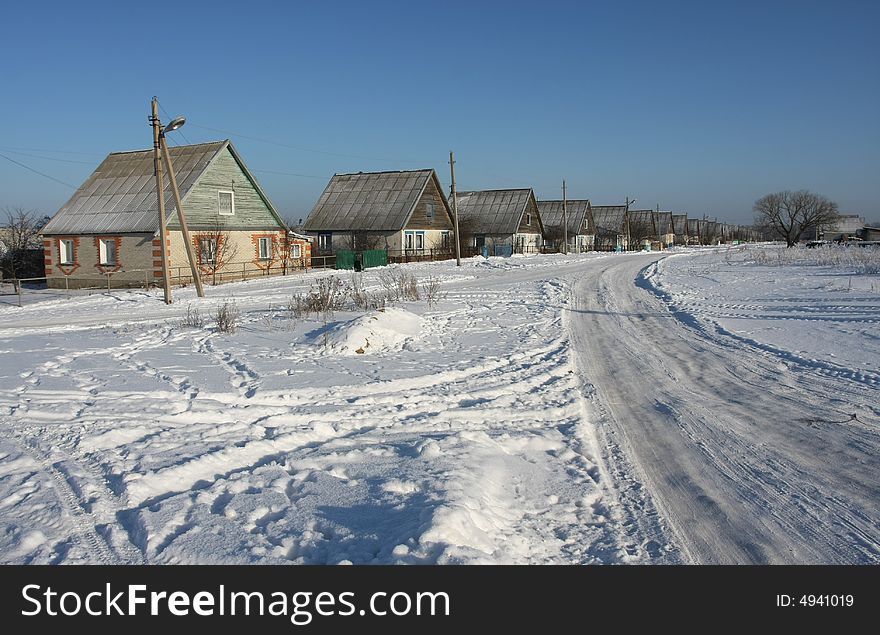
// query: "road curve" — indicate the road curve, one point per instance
point(743, 453)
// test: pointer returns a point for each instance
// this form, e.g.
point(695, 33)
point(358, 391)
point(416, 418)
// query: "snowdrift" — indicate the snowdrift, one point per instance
point(387, 329)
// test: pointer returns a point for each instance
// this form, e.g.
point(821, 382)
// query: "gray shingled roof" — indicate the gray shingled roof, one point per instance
point(641, 218)
point(120, 195)
point(679, 224)
point(551, 215)
point(369, 201)
point(664, 223)
point(493, 212)
point(610, 219)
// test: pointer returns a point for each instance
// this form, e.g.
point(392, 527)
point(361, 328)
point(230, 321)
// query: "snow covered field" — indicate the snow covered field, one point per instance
point(498, 425)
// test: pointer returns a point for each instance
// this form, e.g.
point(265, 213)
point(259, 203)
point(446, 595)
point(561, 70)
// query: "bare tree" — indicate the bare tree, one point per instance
point(554, 235)
point(789, 215)
point(215, 249)
point(21, 249)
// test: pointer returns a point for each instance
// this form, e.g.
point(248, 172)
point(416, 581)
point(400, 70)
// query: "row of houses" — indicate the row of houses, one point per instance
point(407, 213)
point(109, 229)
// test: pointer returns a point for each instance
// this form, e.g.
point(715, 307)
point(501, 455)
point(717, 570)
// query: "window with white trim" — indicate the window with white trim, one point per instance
point(226, 203)
point(207, 251)
point(107, 251)
point(414, 240)
point(66, 253)
point(528, 219)
point(296, 251)
point(325, 242)
point(264, 247)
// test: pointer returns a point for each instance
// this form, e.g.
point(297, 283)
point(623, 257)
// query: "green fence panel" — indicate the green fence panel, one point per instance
point(375, 258)
point(345, 259)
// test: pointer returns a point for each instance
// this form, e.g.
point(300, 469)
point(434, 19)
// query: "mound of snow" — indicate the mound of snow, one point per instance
point(375, 331)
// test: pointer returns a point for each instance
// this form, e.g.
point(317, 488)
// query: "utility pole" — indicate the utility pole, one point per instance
point(564, 220)
point(455, 210)
point(626, 219)
point(193, 265)
point(160, 193)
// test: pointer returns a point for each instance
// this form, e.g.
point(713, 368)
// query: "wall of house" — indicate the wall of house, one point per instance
point(434, 240)
point(201, 204)
point(238, 256)
point(134, 261)
point(420, 218)
point(139, 259)
point(535, 226)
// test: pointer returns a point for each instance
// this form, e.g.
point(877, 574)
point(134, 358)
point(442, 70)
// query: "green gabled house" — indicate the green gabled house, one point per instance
point(111, 224)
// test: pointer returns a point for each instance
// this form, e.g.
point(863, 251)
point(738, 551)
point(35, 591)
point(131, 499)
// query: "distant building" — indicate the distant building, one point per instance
point(847, 226)
point(502, 221)
point(401, 211)
point(580, 226)
point(611, 231)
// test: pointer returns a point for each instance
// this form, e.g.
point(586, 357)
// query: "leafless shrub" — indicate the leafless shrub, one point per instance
point(431, 291)
point(359, 295)
point(860, 260)
point(325, 296)
point(227, 317)
point(399, 285)
point(363, 299)
point(193, 318)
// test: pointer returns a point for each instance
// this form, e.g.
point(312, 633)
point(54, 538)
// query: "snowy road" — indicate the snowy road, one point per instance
point(548, 409)
point(750, 456)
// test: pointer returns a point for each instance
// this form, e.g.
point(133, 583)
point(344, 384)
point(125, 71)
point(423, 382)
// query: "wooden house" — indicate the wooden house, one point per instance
point(580, 224)
point(680, 228)
point(665, 231)
point(501, 221)
point(110, 226)
point(403, 212)
point(610, 222)
point(694, 227)
point(642, 227)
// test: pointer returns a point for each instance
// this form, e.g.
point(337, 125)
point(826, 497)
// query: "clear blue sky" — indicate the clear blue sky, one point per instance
point(701, 107)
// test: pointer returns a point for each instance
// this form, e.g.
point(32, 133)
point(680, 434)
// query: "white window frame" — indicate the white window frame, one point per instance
point(325, 242)
point(103, 251)
point(211, 252)
point(413, 240)
point(296, 251)
point(528, 220)
point(267, 254)
point(66, 251)
point(220, 194)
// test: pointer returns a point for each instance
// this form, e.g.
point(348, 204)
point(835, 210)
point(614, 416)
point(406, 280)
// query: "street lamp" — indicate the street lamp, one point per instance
point(160, 144)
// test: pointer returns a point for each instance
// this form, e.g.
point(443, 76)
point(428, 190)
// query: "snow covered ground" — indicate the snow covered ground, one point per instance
point(493, 426)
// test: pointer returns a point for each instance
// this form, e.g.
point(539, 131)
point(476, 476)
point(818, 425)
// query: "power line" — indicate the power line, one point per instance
point(308, 176)
point(293, 147)
point(90, 154)
point(27, 167)
point(36, 156)
point(180, 132)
